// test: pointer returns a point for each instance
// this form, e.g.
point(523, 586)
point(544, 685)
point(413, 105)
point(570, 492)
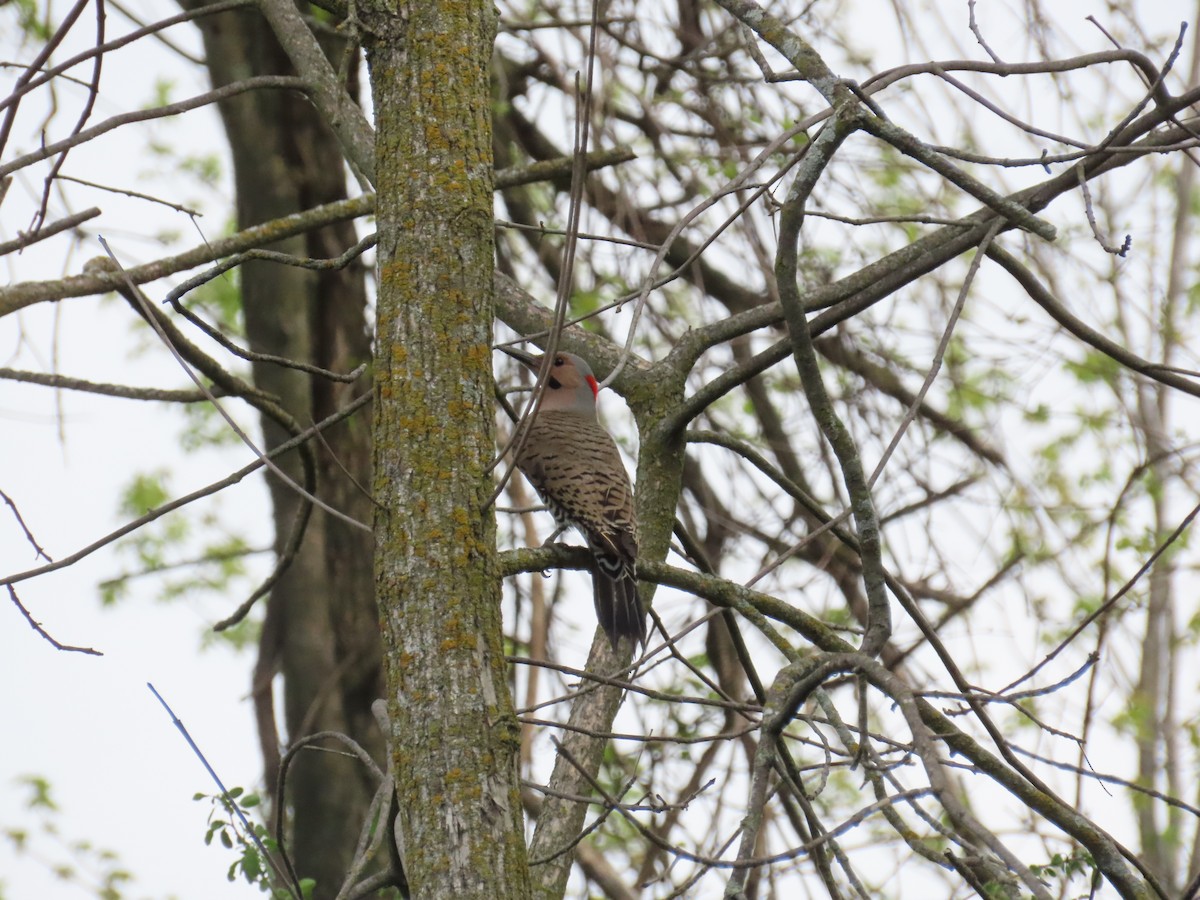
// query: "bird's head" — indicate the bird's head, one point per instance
point(570, 385)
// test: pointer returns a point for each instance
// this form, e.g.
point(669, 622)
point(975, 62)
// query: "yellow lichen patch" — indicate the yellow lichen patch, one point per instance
point(393, 270)
point(478, 354)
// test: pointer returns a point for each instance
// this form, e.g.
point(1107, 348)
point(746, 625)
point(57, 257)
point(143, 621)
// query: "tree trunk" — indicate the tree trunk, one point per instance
point(455, 736)
point(321, 624)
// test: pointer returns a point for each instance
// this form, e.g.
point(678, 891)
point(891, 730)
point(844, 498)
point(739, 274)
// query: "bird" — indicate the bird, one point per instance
point(574, 465)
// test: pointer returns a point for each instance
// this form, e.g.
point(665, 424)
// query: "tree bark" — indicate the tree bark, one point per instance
point(455, 736)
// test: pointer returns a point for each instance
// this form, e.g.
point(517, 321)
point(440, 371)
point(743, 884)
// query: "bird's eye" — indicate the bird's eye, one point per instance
point(559, 361)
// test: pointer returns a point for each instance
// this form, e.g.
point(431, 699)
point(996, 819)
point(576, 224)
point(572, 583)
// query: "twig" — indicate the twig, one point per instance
point(292, 884)
point(563, 295)
point(356, 751)
point(48, 75)
point(174, 47)
point(1091, 218)
point(173, 345)
point(126, 392)
point(939, 354)
point(1111, 601)
point(1118, 352)
point(36, 626)
point(37, 548)
point(160, 511)
point(261, 82)
point(338, 262)
point(129, 192)
point(25, 77)
point(974, 25)
point(28, 238)
point(93, 91)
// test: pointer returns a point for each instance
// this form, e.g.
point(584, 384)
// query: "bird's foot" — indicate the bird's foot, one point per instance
point(553, 541)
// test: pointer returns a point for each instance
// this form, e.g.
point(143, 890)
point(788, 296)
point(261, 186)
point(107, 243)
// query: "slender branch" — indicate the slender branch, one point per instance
point(37, 626)
point(939, 353)
point(261, 82)
point(46, 51)
point(331, 99)
point(553, 169)
point(975, 30)
point(798, 52)
point(127, 392)
point(1042, 296)
point(910, 146)
point(100, 281)
point(1112, 601)
point(37, 548)
point(137, 195)
point(821, 151)
point(50, 74)
point(191, 359)
point(93, 91)
point(28, 238)
point(159, 511)
point(293, 885)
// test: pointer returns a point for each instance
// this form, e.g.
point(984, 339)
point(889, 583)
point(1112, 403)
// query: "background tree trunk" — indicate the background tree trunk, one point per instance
point(321, 628)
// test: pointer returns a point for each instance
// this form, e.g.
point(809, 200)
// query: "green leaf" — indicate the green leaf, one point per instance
point(252, 864)
point(40, 796)
point(145, 492)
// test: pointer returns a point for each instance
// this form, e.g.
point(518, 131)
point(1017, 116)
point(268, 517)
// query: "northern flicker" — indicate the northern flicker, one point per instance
point(574, 465)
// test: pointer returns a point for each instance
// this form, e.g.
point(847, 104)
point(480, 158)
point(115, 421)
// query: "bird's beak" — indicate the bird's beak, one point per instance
point(533, 362)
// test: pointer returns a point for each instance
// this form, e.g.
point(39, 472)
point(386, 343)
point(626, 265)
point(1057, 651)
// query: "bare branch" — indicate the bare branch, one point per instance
point(36, 626)
point(37, 548)
point(127, 392)
point(66, 223)
point(216, 486)
point(262, 82)
point(339, 110)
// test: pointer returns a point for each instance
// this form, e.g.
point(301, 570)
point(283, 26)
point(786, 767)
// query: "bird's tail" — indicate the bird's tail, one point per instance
point(618, 606)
